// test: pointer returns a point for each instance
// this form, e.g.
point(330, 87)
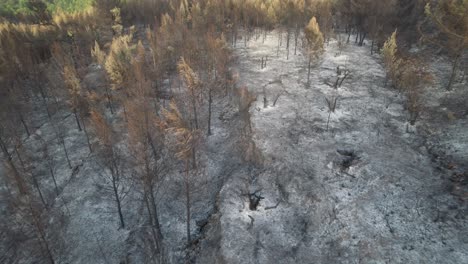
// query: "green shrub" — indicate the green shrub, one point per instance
point(10, 8)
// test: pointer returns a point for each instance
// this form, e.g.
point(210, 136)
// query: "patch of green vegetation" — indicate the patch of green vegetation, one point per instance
point(69, 6)
point(29, 7)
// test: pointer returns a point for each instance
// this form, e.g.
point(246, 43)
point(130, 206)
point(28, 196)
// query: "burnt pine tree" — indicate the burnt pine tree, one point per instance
point(315, 43)
point(110, 156)
point(146, 142)
point(451, 19)
point(186, 139)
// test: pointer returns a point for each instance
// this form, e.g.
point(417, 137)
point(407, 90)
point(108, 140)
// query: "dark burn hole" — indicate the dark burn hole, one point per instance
point(347, 159)
point(254, 200)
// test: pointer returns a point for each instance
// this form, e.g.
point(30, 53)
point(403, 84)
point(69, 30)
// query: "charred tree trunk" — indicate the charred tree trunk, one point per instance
point(9, 162)
point(187, 204)
point(24, 123)
point(194, 108)
point(38, 189)
point(88, 141)
point(52, 174)
point(210, 101)
point(77, 119)
point(349, 34)
point(157, 244)
point(62, 142)
point(453, 74)
point(109, 99)
point(328, 120)
point(20, 159)
point(156, 223)
point(296, 36)
point(117, 198)
point(41, 233)
point(362, 38)
point(194, 158)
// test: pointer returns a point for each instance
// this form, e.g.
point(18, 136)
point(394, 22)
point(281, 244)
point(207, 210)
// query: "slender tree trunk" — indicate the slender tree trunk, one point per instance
point(4, 148)
point(187, 204)
point(19, 181)
point(195, 114)
point(87, 135)
point(117, 199)
point(38, 189)
point(279, 43)
point(194, 158)
point(155, 212)
point(210, 101)
point(24, 123)
point(125, 112)
point(153, 147)
point(235, 36)
point(245, 39)
point(62, 142)
point(41, 234)
point(296, 36)
point(52, 174)
point(109, 99)
point(287, 43)
point(280, 37)
point(20, 159)
point(453, 75)
point(44, 100)
point(157, 243)
point(152, 207)
point(148, 207)
point(9, 162)
point(77, 119)
point(308, 71)
point(363, 37)
point(349, 35)
point(372, 48)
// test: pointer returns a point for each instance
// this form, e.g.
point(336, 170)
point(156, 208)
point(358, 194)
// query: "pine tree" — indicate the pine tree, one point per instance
point(451, 19)
point(74, 89)
point(185, 146)
point(99, 57)
point(391, 61)
point(193, 85)
point(118, 62)
point(110, 156)
point(146, 142)
point(217, 54)
point(315, 43)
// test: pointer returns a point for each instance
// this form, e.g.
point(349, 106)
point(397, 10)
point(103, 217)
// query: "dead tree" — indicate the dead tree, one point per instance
point(109, 155)
point(186, 142)
point(331, 104)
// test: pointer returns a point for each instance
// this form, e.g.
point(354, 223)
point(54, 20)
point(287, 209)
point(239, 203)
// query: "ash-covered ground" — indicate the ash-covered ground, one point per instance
point(357, 185)
point(370, 188)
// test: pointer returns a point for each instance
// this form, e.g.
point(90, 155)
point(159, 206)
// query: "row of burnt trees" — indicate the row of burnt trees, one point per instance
point(37, 82)
point(194, 58)
point(123, 114)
